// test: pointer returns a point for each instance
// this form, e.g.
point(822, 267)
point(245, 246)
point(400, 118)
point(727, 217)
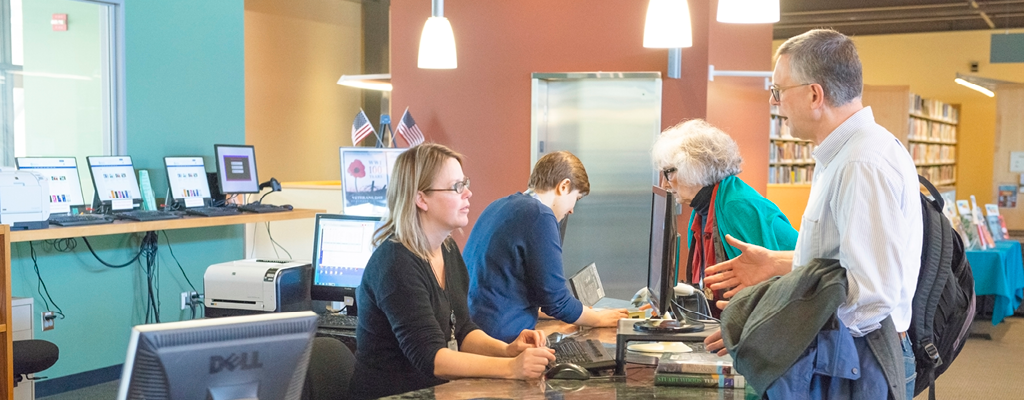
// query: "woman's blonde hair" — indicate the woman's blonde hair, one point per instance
point(414, 171)
point(702, 154)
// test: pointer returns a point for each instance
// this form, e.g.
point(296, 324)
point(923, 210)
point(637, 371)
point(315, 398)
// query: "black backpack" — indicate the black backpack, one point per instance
point(944, 300)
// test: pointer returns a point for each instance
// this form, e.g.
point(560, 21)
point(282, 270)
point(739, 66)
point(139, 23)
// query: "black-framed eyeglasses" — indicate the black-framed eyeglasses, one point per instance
point(458, 187)
point(777, 90)
point(667, 173)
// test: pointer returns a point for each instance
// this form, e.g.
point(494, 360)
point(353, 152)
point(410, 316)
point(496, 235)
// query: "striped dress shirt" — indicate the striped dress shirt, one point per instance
point(865, 210)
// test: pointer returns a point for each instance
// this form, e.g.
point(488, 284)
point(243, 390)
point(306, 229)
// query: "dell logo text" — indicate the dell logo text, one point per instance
point(245, 361)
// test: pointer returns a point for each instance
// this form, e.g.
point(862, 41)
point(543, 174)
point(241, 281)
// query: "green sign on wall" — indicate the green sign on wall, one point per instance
point(1007, 48)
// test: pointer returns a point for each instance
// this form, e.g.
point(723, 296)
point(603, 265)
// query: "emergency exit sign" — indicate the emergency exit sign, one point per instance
point(59, 22)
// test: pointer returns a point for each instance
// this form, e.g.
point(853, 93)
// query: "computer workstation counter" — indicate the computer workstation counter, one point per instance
point(638, 382)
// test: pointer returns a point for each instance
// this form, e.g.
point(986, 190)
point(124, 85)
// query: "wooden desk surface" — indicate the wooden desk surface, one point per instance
point(123, 226)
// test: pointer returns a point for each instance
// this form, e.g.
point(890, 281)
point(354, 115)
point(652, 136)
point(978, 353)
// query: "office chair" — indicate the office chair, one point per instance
point(33, 356)
point(330, 369)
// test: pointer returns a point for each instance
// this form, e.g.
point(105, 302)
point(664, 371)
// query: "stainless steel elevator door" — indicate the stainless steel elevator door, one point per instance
point(609, 121)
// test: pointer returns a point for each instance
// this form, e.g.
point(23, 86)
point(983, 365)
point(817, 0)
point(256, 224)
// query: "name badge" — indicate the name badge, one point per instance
point(453, 345)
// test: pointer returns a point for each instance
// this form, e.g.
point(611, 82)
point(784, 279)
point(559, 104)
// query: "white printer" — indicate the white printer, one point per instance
point(257, 286)
point(24, 199)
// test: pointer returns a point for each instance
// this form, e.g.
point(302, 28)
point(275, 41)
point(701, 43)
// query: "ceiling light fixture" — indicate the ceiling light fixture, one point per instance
point(748, 11)
point(986, 86)
point(380, 82)
point(437, 42)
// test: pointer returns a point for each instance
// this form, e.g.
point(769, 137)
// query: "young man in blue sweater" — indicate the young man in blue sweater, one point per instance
point(514, 255)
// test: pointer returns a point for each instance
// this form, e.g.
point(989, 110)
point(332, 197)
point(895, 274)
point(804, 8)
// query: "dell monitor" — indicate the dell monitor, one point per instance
point(661, 273)
point(186, 179)
point(236, 169)
point(262, 356)
point(62, 174)
point(114, 180)
point(342, 244)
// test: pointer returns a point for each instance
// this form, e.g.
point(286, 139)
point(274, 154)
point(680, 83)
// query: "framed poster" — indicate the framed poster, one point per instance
point(365, 174)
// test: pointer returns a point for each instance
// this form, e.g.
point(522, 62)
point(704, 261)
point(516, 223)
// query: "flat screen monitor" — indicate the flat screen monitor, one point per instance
point(661, 272)
point(236, 168)
point(342, 244)
point(115, 182)
point(64, 182)
point(186, 177)
point(261, 356)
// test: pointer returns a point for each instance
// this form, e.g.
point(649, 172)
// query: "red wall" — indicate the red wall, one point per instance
point(482, 108)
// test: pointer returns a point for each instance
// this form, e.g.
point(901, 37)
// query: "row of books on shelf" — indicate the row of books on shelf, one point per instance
point(697, 369)
point(932, 153)
point(778, 129)
point(978, 231)
point(933, 109)
point(790, 151)
point(939, 175)
point(922, 129)
point(790, 174)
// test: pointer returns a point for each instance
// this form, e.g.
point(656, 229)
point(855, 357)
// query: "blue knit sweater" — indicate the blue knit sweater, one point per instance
point(514, 259)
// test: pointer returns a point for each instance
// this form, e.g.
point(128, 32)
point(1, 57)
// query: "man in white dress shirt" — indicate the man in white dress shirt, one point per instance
point(864, 208)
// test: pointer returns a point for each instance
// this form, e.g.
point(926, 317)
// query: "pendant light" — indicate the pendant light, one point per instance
point(437, 42)
point(668, 25)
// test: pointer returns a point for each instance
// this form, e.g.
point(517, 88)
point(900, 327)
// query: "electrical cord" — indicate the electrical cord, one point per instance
point(133, 260)
point(64, 245)
point(260, 201)
point(171, 250)
point(275, 243)
point(41, 284)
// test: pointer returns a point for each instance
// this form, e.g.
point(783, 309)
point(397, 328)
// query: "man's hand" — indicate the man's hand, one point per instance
point(754, 265)
point(714, 343)
point(527, 339)
point(610, 318)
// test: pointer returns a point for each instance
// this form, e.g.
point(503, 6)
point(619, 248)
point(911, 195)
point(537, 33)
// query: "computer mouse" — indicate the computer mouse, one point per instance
point(287, 206)
point(567, 371)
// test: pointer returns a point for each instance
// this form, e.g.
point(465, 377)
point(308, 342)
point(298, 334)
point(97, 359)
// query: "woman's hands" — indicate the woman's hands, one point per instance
point(528, 339)
point(531, 363)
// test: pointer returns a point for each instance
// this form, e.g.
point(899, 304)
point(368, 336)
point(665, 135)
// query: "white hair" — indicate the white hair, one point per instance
point(702, 154)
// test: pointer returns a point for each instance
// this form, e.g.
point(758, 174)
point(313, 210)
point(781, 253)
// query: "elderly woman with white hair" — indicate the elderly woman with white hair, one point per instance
point(700, 163)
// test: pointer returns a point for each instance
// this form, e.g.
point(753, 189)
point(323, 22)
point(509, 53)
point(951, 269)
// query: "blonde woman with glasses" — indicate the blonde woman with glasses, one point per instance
point(414, 327)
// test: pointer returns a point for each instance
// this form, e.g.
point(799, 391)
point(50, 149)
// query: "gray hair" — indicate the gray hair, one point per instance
point(702, 154)
point(828, 58)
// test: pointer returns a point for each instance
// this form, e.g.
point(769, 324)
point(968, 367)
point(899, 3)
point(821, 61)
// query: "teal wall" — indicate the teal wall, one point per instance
point(185, 92)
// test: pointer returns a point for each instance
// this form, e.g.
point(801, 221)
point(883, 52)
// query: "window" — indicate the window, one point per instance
point(62, 78)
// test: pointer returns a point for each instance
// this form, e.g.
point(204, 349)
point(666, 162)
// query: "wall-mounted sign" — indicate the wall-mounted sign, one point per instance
point(59, 22)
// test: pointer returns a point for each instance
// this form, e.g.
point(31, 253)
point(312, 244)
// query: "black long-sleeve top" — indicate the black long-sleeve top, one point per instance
point(405, 318)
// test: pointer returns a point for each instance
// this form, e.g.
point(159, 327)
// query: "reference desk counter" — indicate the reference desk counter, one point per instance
point(637, 384)
point(118, 227)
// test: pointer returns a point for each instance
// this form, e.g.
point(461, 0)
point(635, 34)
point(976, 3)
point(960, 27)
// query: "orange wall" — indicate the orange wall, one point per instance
point(482, 108)
point(295, 114)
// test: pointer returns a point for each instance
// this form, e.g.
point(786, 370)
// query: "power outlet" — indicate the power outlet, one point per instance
point(186, 299)
point(48, 320)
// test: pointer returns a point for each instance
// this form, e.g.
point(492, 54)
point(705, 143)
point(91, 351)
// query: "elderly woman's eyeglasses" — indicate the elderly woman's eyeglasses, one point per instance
point(667, 173)
point(458, 187)
point(777, 90)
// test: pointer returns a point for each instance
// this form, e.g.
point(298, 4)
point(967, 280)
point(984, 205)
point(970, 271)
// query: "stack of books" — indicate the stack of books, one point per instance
point(697, 369)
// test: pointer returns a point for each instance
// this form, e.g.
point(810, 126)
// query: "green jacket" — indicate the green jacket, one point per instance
point(742, 212)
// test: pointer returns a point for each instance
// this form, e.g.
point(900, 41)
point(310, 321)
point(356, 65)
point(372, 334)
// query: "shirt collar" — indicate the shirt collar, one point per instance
point(829, 147)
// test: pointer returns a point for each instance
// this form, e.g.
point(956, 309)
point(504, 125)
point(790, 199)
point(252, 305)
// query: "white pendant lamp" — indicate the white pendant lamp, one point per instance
point(748, 11)
point(668, 25)
point(437, 42)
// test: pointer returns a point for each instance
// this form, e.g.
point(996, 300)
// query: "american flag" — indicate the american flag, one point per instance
point(408, 130)
point(361, 128)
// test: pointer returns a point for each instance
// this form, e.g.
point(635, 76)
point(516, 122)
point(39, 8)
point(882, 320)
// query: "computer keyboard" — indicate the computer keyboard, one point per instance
point(212, 211)
point(262, 208)
point(81, 219)
point(336, 321)
point(588, 353)
point(146, 215)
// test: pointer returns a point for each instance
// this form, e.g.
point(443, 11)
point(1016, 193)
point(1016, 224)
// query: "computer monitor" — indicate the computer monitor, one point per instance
point(186, 178)
point(342, 244)
point(62, 173)
point(261, 356)
point(115, 182)
point(661, 273)
point(236, 168)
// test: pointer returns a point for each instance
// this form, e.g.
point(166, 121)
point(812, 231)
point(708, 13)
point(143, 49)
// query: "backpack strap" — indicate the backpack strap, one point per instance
point(933, 191)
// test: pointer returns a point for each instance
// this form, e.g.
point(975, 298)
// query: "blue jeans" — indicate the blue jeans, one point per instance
point(910, 364)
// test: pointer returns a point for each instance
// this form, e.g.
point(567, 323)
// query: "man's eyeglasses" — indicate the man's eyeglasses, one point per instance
point(458, 187)
point(777, 90)
point(667, 173)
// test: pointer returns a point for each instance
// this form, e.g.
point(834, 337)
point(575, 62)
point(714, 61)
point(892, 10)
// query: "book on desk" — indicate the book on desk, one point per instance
point(698, 369)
